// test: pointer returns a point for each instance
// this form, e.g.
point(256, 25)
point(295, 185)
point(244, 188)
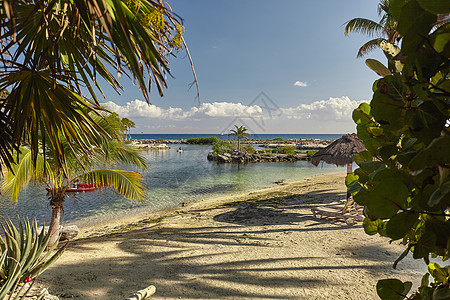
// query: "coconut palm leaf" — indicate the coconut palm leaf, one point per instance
point(24, 172)
point(127, 183)
point(369, 46)
point(364, 26)
point(53, 51)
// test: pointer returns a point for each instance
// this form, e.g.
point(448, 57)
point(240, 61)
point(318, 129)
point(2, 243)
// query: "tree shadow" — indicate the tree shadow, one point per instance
point(231, 258)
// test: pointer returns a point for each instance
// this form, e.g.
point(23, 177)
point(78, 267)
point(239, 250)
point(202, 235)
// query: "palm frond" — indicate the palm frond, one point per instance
point(25, 171)
point(127, 183)
point(364, 26)
point(370, 46)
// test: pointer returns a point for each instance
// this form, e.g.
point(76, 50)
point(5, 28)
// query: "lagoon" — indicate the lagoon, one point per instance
point(172, 178)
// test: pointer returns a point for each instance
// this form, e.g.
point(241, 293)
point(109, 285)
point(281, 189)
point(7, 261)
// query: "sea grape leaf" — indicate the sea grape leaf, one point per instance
point(436, 152)
point(361, 197)
point(371, 227)
point(378, 67)
point(387, 109)
point(402, 256)
point(387, 198)
point(439, 274)
point(363, 156)
point(391, 289)
point(435, 6)
point(361, 115)
point(425, 245)
point(396, 7)
point(441, 294)
point(400, 224)
point(407, 143)
point(439, 194)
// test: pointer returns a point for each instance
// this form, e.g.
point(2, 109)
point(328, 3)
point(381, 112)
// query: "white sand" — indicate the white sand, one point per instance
point(233, 248)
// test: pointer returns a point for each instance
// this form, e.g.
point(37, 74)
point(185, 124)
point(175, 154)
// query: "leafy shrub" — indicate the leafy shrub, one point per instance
point(221, 147)
point(210, 140)
point(248, 147)
point(311, 152)
point(285, 150)
point(22, 256)
point(403, 179)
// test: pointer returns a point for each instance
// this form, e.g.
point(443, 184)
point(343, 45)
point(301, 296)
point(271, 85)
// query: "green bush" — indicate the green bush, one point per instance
point(210, 140)
point(285, 150)
point(311, 152)
point(221, 147)
point(248, 147)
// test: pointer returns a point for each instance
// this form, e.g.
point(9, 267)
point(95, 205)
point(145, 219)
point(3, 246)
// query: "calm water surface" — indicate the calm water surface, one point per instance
point(172, 178)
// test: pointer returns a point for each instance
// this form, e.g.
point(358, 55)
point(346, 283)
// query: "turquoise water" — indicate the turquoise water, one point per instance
point(172, 178)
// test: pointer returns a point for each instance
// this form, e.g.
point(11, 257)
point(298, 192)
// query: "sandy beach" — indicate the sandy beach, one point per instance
point(259, 245)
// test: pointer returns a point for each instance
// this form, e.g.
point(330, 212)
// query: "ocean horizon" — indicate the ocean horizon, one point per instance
point(259, 136)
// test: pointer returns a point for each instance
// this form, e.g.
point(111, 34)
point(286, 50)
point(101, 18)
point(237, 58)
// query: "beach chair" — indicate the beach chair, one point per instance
point(347, 211)
point(143, 294)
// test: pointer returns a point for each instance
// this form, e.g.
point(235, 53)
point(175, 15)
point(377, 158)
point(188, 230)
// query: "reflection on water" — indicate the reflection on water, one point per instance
point(172, 178)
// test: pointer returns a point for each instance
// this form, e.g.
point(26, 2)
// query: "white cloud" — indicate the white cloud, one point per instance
point(337, 109)
point(300, 84)
point(138, 108)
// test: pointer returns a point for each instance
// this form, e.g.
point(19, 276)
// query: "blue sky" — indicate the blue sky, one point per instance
point(292, 51)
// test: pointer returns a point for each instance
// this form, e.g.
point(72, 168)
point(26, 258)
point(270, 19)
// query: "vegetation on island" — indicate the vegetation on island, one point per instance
point(210, 140)
point(403, 179)
point(241, 133)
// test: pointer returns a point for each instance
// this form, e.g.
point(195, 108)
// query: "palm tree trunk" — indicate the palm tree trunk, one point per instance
point(239, 144)
point(57, 205)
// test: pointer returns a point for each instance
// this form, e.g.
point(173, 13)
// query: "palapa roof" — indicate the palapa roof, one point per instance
point(340, 152)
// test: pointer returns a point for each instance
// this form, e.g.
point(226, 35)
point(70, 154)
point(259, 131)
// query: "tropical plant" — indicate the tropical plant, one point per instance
point(290, 149)
point(91, 169)
point(240, 132)
point(128, 124)
point(22, 257)
point(210, 140)
point(403, 179)
point(385, 29)
point(53, 51)
point(221, 147)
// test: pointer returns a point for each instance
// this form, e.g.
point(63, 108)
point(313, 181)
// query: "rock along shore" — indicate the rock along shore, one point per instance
point(245, 157)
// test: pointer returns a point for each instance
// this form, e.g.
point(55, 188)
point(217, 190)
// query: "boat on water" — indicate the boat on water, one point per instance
point(81, 187)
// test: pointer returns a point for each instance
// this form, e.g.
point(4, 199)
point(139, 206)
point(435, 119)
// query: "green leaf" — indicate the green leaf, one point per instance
point(425, 245)
point(439, 274)
point(371, 227)
point(400, 224)
point(387, 198)
point(435, 153)
point(351, 178)
point(441, 293)
point(378, 67)
point(391, 289)
point(363, 156)
point(435, 6)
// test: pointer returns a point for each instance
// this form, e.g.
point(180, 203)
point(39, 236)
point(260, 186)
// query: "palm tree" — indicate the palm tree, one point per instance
point(240, 132)
point(81, 168)
point(53, 51)
point(385, 29)
point(128, 125)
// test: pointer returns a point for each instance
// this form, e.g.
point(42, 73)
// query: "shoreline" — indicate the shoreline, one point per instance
point(110, 226)
point(262, 244)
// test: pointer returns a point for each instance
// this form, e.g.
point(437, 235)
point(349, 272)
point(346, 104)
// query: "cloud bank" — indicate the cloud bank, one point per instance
point(333, 109)
point(337, 109)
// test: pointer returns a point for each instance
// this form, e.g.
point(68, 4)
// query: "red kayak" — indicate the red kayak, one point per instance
point(77, 189)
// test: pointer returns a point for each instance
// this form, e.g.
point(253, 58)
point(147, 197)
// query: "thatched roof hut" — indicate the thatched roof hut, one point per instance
point(340, 152)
